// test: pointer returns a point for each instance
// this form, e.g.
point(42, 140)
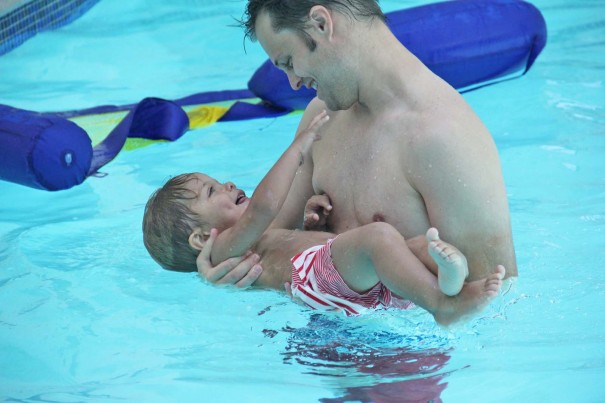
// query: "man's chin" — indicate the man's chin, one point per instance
point(333, 106)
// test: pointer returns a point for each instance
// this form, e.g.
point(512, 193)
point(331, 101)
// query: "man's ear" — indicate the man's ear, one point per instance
point(320, 19)
point(198, 238)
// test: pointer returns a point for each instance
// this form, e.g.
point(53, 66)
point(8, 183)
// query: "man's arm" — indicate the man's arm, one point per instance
point(457, 172)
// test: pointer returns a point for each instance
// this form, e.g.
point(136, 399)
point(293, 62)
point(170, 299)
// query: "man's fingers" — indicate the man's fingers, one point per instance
point(235, 269)
point(204, 266)
point(288, 288)
point(240, 271)
point(250, 277)
point(204, 257)
point(216, 273)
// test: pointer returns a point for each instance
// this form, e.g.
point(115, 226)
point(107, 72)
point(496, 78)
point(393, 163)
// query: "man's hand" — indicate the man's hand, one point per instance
point(316, 213)
point(238, 271)
point(288, 288)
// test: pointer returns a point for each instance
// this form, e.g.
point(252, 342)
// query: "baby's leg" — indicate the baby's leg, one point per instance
point(453, 268)
point(473, 298)
point(419, 245)
point(377, 252)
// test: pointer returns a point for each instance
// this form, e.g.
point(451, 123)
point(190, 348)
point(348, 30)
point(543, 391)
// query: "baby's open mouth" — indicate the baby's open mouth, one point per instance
point(241, 198)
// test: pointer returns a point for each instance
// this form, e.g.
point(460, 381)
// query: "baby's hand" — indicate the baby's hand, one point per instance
point(317, 209)
point(309, 135)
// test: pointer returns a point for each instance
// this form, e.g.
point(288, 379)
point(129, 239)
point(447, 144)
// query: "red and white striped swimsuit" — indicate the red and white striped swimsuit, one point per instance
point(318, 284)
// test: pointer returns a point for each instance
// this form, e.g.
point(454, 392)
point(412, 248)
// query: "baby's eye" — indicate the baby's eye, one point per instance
point(210, 191)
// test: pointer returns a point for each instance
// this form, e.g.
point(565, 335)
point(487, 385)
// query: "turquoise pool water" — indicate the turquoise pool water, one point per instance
point(86, 315)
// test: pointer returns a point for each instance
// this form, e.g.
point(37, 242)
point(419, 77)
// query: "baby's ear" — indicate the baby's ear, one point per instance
point(198, 238)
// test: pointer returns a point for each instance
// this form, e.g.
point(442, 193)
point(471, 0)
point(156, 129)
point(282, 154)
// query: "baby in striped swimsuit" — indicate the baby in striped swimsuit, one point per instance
point(364, 268)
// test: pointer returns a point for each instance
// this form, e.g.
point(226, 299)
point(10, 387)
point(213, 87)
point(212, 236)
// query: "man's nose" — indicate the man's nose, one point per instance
point(295, 81)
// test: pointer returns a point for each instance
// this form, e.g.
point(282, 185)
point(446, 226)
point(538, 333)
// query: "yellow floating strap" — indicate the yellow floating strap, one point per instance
point(202, 116)
point(98, 126)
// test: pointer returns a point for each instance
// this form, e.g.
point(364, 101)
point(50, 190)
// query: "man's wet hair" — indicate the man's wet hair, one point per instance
point(294, 14)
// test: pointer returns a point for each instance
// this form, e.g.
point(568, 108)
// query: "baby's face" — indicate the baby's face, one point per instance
point(221, 205)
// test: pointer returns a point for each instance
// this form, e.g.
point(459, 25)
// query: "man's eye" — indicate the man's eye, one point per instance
point(287, 65)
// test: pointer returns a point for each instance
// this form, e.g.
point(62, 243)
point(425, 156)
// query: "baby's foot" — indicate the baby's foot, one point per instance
point(473, 298)
point(453, 268)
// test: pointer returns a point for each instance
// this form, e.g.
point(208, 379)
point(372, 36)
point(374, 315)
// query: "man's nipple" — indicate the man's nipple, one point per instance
point(378, 217)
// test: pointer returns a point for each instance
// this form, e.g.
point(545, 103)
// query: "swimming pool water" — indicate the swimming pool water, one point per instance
point(86, 315)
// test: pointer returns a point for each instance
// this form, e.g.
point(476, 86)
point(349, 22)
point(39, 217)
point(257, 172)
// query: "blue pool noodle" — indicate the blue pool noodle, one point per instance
point(43, 152)
point(47, 151)
point(468, 43)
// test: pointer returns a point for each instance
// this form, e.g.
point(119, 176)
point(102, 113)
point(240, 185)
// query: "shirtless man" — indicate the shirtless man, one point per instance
point(388, 114)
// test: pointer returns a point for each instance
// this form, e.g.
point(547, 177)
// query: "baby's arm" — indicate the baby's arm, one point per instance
point(268, 197)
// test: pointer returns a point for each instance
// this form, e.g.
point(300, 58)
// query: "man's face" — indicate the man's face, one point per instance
point(316, 68)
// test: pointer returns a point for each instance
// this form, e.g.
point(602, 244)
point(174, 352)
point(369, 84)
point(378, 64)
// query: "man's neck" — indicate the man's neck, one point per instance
point(386, 70)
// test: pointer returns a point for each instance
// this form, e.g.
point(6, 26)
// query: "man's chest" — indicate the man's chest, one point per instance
point(366, 181)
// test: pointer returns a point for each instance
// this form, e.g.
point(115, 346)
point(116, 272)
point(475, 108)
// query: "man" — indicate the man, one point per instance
point(401, 145)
